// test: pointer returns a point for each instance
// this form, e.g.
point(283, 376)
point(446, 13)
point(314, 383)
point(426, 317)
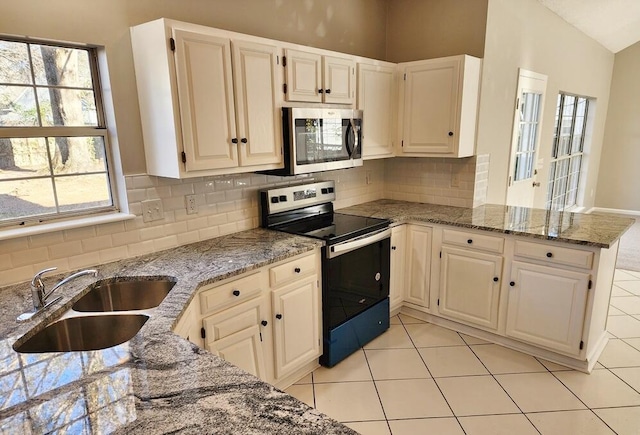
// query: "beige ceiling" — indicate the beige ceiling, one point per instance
point(613, 23)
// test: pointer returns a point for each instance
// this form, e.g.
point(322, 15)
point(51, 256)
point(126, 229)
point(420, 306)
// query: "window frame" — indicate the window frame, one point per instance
point(569, 157)
point(101, 129)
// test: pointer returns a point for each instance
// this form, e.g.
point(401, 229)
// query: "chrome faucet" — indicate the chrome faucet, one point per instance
point(38, 292)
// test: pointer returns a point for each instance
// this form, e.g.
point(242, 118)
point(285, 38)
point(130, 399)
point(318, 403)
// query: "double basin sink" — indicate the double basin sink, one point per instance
point(94, 332)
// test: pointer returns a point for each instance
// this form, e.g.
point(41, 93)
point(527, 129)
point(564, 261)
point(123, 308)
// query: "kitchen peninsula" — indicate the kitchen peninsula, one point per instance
point(160, 382)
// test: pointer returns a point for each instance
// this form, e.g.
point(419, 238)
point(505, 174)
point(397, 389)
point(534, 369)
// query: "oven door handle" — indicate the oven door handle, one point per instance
point(348, 246)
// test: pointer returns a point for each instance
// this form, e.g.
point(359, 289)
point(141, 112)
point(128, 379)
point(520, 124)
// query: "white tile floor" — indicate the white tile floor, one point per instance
point(419, 378)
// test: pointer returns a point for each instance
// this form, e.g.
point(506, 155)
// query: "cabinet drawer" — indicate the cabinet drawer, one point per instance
point(230, 293)
point(292, 270)
point(554, 254)
point(473, 240)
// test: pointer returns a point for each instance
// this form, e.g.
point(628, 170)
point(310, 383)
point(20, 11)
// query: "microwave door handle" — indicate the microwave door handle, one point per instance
point(350, 138)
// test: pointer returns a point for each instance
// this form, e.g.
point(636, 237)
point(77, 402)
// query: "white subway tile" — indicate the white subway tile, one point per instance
point(189, 237)
point(228, 228)
point(45, 239)
point(140, 248)
point(65, 249)
point(217, 219)
point(175, 228)
point(134, 224)
point(84, 260)
point(29, 256)
point(110, 228)
point(143, 181)
point(165, 243)
point(17, 275)
point(113, 254)
point(209, 233)
point(62, 265)
point(232, 195)
point(5, 262)
point(80, 233)
point(151, 233)
point(125, 238)
point(136, 195)
point(186, 188)
point(97, 243)
point(226, 207)
point(12, 245)
point(198, 223)
point(204, 187)
point(174, 203)
point(223, 183)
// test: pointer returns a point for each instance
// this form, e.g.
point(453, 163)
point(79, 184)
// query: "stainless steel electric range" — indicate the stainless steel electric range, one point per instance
point(355, 263)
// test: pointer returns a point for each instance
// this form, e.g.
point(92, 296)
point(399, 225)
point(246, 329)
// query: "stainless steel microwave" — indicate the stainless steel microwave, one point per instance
point(320, 139)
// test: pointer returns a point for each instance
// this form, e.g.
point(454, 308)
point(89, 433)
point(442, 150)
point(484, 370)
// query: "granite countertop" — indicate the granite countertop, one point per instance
point(577, 228)
point(157, 382)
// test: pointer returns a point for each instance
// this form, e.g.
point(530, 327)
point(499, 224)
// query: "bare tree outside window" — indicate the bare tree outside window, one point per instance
point(53, 142)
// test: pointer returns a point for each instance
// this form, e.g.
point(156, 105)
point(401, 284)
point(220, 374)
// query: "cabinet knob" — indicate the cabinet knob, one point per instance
point(278, 316)
point(236, 292)
point(320, 91)
point(549, 254)
point(450, 133)
point(264, 323)
point(393, 248)
point(495, 279)
point(297, 270)
point(234, 140)
point(512, 283)
point(470, 241)
point(243, 140)
point(327, 91)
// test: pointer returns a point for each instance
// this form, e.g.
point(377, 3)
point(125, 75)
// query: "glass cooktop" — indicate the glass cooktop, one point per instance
point(334, 227)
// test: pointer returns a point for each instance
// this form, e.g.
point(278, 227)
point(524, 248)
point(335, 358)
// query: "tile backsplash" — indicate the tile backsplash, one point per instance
point(227, 204)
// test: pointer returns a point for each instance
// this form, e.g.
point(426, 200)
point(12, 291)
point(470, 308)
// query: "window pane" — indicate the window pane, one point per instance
point(61, 66)
point(76, 155)
point(14, 63)
point(18, 107)
point(21, 158)
point(25, 198)
point(67, 107)
point(80, 192)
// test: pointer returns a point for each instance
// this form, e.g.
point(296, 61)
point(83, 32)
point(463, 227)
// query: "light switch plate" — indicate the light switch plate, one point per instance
point(152, 210)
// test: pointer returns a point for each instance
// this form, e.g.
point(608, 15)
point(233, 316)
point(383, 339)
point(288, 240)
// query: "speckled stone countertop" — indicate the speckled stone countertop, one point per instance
point(157, 382)
point(577, 228)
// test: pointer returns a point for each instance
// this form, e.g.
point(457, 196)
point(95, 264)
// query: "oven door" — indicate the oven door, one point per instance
point(355, 277)
point(324, 139)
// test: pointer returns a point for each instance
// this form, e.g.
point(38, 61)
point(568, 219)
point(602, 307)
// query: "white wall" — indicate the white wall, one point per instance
point(619, 175)
point(525, 34)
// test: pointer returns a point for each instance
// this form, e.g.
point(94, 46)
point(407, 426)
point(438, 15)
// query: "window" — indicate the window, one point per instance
point(53, 139)
point(567, 154)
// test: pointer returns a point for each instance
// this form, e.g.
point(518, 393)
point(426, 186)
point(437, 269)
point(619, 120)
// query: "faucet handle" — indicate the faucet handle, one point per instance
point(37, 278)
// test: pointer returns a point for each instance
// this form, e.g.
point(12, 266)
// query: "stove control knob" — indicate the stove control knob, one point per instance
point(274, 200)
point(324, 190)
point(330, 189)
point(283, 198)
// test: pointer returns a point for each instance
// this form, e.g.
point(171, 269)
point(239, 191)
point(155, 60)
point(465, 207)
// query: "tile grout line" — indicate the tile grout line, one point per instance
point(384, 413)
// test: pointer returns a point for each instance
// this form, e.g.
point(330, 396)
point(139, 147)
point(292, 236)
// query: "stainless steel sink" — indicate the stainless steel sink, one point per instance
point(124, 296)
point(84, 333)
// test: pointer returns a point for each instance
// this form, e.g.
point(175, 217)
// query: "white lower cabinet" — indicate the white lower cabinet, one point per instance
point(418, 265)
point(546, 306)
point(236, 335)
point(398, 261)
point(267, 321)
point(296, 320)
point(470, 286)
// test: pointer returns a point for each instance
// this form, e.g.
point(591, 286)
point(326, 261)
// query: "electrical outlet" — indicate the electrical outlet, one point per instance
point(190, 202)
point(367, 177)
point(455, 180)
point(152, 210)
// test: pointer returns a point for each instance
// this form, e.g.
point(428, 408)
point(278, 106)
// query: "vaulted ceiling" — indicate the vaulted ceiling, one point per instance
point(613, 23)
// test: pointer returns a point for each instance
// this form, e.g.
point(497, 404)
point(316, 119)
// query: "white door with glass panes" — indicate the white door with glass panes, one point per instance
point(525, 141)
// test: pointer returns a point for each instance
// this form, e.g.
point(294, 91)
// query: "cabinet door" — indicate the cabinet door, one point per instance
point(470, 286)
point(398, 254)
point(296, 322)
point(418, 265)
point(258, 99)
point(205, 94)
point(376, 98)
point(238, 333)
point(546, 306)
point(304, 76)
point(339, 80)
point(430, 107)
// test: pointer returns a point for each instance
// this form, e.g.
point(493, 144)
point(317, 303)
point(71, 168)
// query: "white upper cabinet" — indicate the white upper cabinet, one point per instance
point(317, 78)
point(377, 99)
point(209, 102)
point(438, 107)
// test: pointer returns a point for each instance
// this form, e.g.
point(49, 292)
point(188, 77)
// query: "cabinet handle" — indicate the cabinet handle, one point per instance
point(327, 91)
point(320, 91)
point(450, 133)
point(297, 270)
point(264, 323)
point(243, 140)
point(393, 248)
point(549, 254)
point(234, 140)
point(512, 283)
point(236, 292)
point(495, 279)
point(470, 241)
point(278, 316)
